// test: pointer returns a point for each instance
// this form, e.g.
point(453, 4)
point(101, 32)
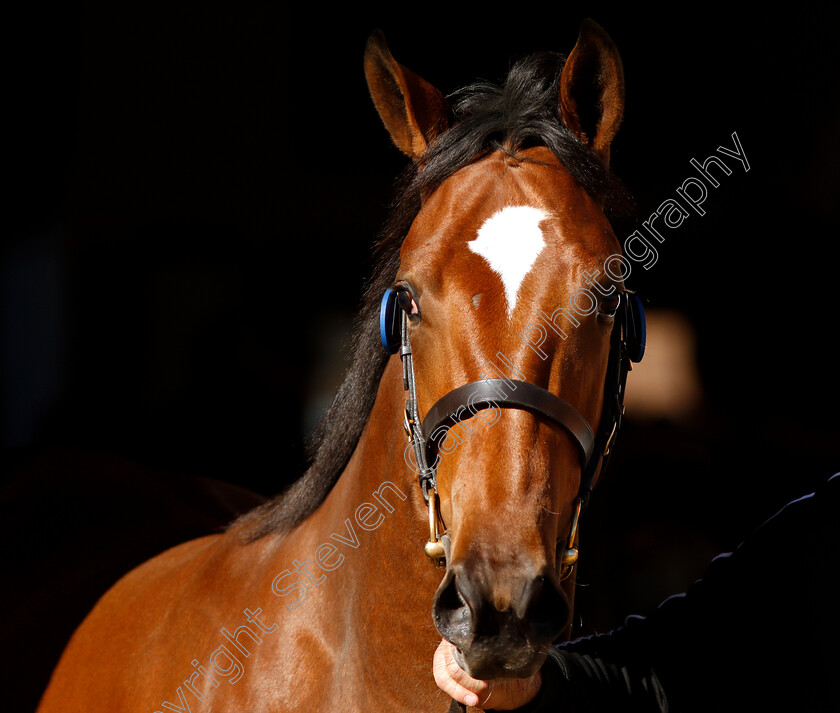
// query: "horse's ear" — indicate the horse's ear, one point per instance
point(413, 111)
point(592, 89)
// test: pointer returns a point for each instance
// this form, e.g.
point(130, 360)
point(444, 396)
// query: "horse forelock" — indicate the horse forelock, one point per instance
point(519, 113)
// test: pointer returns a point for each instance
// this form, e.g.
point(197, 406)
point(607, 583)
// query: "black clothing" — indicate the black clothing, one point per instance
point(759, 632)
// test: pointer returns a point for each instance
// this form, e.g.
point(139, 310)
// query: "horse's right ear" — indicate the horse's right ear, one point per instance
point(413, 111)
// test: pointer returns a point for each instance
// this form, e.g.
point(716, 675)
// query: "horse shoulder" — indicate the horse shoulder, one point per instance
point(148, 621)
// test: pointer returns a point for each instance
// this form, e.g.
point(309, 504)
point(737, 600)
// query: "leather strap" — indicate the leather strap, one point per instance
point(426, 475)
point(465, 401)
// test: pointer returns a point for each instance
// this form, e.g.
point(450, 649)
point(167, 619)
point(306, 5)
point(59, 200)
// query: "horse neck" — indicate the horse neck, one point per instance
point(377, 497)
point(375, 600)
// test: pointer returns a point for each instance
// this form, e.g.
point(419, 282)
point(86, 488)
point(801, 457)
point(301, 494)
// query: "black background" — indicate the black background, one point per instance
point(191, 194)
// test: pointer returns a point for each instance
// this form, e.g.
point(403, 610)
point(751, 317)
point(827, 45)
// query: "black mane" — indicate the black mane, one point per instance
point(520, 113)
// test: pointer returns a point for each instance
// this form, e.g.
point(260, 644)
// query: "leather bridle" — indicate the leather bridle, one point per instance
point(594, 448)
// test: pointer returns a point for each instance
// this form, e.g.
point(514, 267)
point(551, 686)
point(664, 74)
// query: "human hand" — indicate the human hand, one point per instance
point(506, 693)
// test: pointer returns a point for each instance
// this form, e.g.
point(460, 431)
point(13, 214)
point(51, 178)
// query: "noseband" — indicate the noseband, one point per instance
point(627, 344)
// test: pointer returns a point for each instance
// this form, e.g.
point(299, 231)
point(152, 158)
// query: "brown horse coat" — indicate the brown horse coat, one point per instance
point(331, 611)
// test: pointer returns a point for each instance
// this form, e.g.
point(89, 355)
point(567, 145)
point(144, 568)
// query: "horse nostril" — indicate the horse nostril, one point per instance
point(465, 609)
point(451, 611)
point(545, 608)
point(449, 597)
point(493, 643)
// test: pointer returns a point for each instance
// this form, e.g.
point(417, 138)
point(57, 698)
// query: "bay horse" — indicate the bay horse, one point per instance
point(512, 343)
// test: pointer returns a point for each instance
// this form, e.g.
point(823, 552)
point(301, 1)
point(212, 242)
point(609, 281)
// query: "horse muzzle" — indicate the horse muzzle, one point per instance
point(500, 626)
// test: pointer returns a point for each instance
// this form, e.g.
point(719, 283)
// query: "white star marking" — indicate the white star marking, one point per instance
point(510, 241)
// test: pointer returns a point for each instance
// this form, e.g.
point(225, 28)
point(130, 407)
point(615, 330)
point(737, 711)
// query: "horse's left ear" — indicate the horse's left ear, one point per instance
point(413, 111)
point(592, 89)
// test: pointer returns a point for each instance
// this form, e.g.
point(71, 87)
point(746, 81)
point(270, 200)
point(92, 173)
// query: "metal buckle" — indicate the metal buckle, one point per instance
point(570, 554)
point(408, 423)
point(610, 439)
point(434, 548)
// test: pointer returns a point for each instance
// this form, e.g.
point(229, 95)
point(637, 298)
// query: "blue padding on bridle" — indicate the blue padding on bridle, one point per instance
point(637, 329)
point(389, 327)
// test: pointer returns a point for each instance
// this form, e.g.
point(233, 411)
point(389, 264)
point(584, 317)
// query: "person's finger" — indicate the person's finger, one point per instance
point(506, 694)
point(456, 682)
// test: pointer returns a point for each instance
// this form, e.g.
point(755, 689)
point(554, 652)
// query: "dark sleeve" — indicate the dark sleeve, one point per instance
point(759, 631)
point(575, 682)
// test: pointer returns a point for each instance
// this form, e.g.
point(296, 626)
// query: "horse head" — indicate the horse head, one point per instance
point(510, 275)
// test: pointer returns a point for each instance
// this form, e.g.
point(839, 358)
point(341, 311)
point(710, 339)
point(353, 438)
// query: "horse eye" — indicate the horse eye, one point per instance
point(609, 305)
point(408, 304)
